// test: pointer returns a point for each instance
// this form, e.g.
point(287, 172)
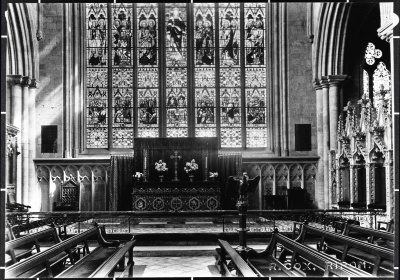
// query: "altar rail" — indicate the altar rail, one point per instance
point(220, 221)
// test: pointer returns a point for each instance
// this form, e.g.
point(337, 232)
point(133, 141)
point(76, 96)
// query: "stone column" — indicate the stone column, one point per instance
point(32, 146)
point(326, 138)
point(25, 132)
point(319, 191)
point(335, 81)
point(14, 82)
point(332, 178)
point(339, 187)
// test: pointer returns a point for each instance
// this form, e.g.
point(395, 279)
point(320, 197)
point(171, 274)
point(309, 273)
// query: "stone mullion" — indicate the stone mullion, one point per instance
point(109, 78)
point(242, 52)
point(217, 78)
point(269, 75)
point(162, 72)
point(134, 56)
point(190, 74)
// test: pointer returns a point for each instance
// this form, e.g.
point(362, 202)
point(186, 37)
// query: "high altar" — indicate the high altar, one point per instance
point(174, 191)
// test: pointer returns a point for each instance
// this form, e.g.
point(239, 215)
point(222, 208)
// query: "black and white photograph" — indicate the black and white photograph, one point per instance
point(199, 139)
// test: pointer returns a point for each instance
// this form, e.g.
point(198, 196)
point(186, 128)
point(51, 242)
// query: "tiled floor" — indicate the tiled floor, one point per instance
point(199, 266)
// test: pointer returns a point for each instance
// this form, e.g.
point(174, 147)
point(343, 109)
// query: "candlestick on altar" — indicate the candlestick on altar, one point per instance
point(206, 171)
point(175, 157)
point(145, 173)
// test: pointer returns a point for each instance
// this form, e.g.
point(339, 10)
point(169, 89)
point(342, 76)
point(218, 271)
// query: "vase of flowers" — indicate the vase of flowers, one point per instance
point(161, 167)
point(190, 168)
point(213, 176)
point(138, 176)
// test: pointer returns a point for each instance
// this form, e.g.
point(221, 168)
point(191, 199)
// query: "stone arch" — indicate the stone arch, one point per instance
point(296, 176)
point(43, 182)
point(282, 179)
point(268, 179)
point(56, 179)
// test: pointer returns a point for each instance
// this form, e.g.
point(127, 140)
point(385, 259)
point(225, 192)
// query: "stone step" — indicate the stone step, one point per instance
point(181, 251)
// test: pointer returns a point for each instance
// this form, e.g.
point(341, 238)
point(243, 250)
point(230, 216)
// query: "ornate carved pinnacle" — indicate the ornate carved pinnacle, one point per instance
point(13, 80)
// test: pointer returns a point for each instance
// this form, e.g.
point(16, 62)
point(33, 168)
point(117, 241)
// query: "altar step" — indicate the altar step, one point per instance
point(180, 251)
point(158, 224)
point(197, 224)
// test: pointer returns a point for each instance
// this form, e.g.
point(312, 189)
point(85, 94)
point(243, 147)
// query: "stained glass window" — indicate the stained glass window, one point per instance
point(122, 76)
point(255, 85)
point(204, 61)
point(97, 80)
point(230, 75)
point(148, 70)
point(127, 90)
point(371, 53)
point(176, 70)
point(381, 78)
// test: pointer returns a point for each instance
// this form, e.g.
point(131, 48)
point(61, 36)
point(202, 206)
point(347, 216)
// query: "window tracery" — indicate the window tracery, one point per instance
point(127, 95)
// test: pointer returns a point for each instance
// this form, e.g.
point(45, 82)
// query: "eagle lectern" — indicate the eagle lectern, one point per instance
point(246, 185)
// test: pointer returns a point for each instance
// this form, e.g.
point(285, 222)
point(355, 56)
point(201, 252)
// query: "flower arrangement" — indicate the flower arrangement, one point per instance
point(161, 166)
point(191, 166)
point(213, 174)
point(138, 175)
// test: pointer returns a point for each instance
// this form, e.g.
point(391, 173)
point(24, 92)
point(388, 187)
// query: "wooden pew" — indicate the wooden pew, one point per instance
point(386, 226)
point(377, 237)
point(24, 246)
point(240, 265)
point(304, 261)
point(109, 267)
point(349, 249)
point(42, 262)
point(102, 262)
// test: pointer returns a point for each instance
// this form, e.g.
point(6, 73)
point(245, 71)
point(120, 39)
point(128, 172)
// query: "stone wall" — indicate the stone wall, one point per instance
point(49, 99)
point(301, 99)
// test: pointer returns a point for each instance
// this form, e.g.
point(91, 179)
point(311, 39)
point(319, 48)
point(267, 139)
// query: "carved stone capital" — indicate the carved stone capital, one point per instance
point(317, 84)
point(25, 81)
point(13, 80)
point(336, 80)
point(34, 83)
point(13, 130)
point(324, 82)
